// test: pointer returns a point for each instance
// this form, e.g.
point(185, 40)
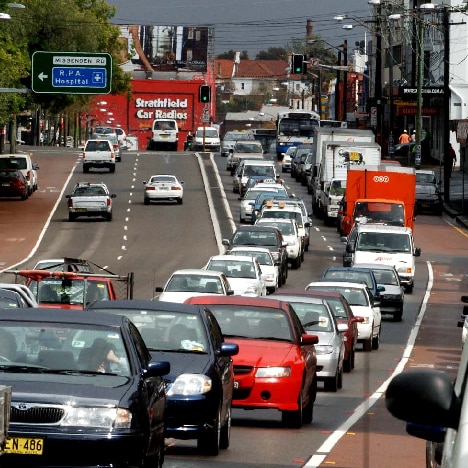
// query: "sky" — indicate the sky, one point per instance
point(252, 25)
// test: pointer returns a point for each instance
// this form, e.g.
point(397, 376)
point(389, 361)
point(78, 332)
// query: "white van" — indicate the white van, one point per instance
point(206, 138)
point(388, 245)
point(21, 161)
point(164, 134)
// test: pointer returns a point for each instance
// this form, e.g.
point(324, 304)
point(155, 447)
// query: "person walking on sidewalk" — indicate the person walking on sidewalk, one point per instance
point(452, 157)
point(404, 137)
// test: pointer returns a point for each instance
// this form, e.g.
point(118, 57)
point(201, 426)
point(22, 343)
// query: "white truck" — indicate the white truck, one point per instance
point(330, 134)
point(336, 159)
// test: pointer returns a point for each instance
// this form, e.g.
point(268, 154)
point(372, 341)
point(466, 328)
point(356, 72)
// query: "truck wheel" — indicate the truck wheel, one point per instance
point(85, 168)
point(109, 217)
point(409, 288)
point(112, 169)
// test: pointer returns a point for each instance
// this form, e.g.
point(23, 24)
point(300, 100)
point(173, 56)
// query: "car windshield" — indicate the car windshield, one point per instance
point(248, 148)
point(195, 283)
point(262, 171)
point(13, 163)
point(252, 322)
point(351, 276)
point(354, 296)
point(381, 212)
point(314, 317)
point(162, 179)
point(338, 187)
point(383, 242)
point(260, 238)
point(426, 189)
point(386, 277)
point(337, 307)
point(167, 330)
point(89, 191)
point(209, 133)
point(264, 258)
point(60, 347)
point(425, 178)
point(236, 136)
point(283, 214)
point(287, 229)
point(69, 291)
point(233, 268)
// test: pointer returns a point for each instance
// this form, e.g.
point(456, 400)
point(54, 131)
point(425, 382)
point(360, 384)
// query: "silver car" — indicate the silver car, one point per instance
point(318, 319)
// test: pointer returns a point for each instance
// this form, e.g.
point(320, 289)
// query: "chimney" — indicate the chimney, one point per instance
point(309, 29)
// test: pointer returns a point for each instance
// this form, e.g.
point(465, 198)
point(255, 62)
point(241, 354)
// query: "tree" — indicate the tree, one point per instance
point(272, 53)
point(231, 55)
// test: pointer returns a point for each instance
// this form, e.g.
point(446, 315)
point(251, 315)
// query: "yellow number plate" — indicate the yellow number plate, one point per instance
point(24, 446)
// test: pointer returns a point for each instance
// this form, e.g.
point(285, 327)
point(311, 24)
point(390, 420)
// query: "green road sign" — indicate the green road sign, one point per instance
point(71, 73)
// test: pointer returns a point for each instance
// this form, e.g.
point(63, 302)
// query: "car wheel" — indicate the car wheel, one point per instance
point(146, 201)
point(112, 169)
point(367, 344)
point(85, 168)
point(398, 316)
point(340, 378)
point(376, 341)
point(293, 419)
point(348, 362)
point(71, 217)
point(180, 201)
point(209, 439)
point(225, 436)
point(308, 412)
point(331, 383)
point(409, 288)
point(109, 217)
point(285, 275)
point(297, 263)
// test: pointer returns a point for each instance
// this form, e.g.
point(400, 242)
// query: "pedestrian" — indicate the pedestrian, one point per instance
point(452, 157)
point(404, 137)
point(413, 136)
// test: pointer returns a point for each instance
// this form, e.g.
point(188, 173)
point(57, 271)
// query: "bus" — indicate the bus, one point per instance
point(333, 123)
point(295, 128)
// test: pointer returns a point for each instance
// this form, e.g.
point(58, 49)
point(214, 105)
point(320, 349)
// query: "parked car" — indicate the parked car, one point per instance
point(392, 299)
point(243, 273)
point(269, 266)
point(83, 386)
point(23, 163)
point(201, 381)
point(163, 187)
point(191, 282)
point(13, 184)
point(318, 319)
point(363, 305)
point(262, 236)
point(429, 199)
point(276, 365)
point(343, 315)
point(90, 200)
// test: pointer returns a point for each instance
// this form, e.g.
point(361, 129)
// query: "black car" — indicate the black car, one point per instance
point(429, 199)
point(201, 382)
point(354, 274)
point(262, 236)
point(85, 391)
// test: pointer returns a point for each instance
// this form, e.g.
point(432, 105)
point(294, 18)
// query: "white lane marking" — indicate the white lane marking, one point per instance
point(324, 450)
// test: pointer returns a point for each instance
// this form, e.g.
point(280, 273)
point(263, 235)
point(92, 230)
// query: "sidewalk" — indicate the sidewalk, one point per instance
point(457, 207)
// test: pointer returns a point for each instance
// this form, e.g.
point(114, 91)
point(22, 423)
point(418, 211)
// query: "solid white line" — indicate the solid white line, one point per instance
point(324, 450)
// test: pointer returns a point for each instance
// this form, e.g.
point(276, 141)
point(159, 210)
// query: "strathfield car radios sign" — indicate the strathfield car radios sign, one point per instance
point(71, 73)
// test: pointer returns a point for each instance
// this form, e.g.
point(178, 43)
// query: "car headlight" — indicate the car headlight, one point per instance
point(269, 276)
point(118, 418)
point(251, 290)
point(323, 349)
point(273, 372)
point(190, 384)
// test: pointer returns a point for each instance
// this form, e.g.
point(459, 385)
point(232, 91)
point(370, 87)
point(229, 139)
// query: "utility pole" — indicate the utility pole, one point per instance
point(337, 88)
point(446, 112)
point(419, 85)
point(345, 80)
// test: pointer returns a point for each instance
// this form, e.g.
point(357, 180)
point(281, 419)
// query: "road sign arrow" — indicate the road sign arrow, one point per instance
point(42, 76)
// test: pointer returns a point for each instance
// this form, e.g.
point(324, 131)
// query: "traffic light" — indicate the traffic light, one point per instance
point(204, 93)
point(298, 63)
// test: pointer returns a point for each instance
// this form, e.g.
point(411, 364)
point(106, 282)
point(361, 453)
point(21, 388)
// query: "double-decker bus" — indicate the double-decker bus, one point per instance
point(295, 128)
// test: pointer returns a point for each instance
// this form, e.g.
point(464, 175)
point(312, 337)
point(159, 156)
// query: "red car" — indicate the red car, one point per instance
point(276, 366)
point(13, 184)
point(343, 314)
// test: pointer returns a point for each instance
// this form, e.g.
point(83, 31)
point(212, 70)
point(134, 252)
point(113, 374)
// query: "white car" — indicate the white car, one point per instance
point(90, 199)
point(188, 283)
point(163, 187)
point(21, 289)
point(23, 163)
point(360, 300)
point(270, 267)
point(286, 162)
point(290, 232)
point(244, 274)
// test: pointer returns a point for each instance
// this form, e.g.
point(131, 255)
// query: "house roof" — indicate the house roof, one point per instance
point(273, 69)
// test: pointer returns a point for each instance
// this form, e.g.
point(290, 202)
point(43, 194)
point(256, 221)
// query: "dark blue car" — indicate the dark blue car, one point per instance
point(201, 382)
point(85, 391)
point(356, 275)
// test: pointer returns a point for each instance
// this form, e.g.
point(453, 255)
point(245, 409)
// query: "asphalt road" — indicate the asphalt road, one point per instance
point(153, 241)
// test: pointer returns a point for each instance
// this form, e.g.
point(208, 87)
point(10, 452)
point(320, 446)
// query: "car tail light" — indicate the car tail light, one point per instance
point(70, 203)
point(83, 155)
point(112, 155)
point(150, 188)
point(28, 175)
point(115, 146)
point(174, 187)
point(108, 202)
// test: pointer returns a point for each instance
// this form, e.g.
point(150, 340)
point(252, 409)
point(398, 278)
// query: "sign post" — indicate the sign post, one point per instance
point(71, 73)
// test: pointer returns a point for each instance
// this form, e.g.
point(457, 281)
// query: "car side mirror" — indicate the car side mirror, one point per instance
point(417, 252)
point(158, 289)
point(35, 166)
point(113, 195)
point(229, 292)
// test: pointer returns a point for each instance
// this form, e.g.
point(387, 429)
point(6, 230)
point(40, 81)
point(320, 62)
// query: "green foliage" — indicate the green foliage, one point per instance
point(272, 53)
point(56, 25)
